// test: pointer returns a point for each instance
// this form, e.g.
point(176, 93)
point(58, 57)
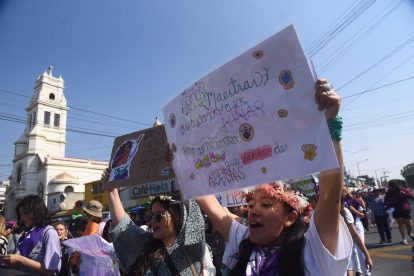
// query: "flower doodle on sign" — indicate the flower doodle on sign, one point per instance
point(206, 160)
point(310, 151)
point(286, 79)
point(258, 54)
point(246, 132)
point(282, 113)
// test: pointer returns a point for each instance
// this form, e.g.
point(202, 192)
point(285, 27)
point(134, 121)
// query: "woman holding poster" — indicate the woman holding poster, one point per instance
point(176, 245)
point(278, 240)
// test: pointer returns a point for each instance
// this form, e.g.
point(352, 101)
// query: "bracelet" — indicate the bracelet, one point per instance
point(335, 128)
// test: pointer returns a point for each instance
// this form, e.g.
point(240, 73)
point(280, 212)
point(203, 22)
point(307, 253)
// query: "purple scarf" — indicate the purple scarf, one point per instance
point(28, 241)
point(264, 261)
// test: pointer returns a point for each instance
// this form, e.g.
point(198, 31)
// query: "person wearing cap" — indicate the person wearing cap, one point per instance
point(376, 203)
point(93, 211)
point(94, 217)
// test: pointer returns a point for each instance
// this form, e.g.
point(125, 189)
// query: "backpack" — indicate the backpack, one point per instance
point(65, 261)
point(3, 245)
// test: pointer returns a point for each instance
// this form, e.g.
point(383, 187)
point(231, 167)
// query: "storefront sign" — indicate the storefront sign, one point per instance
point(153, 188)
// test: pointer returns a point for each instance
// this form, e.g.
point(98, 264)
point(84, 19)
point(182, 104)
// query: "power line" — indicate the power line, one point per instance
point(80, 109)
point(376, 88)
point(110, 116)
point(94, 120)
point(390, 54)
point(99, 122)
point(94, 148)
point(336, 29)
point(382, 103)
point(380, 79)
point(17, 120)
point(22, 119)
point(382, 135)
point(354, 40)
point(377, 119)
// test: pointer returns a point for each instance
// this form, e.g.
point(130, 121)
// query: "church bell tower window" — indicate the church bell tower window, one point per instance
point(51, 96)
point(19, 174)
point(57, 120)
point(47, 118)
point(34, 118)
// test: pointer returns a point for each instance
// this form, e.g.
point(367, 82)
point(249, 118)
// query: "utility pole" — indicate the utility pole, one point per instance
point(359, 172)
point(377, 180)
point(384, 176)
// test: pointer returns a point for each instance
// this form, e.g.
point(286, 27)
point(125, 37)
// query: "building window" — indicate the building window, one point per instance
point(57, 120)
point(19, 174)
point(30, 122)
point(34, 118)
point(97, 188)
point(51, 96)
point(47, 118)
point(69, 189)
point(40, 189)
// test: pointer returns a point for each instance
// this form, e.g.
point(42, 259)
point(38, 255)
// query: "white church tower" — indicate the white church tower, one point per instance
point(46, 117)
point(39, 164)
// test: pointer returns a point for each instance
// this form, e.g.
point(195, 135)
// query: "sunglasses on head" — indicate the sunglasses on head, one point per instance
point(157, 216)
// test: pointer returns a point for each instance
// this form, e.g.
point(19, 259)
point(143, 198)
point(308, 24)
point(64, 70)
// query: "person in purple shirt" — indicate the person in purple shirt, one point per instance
point(39, 246)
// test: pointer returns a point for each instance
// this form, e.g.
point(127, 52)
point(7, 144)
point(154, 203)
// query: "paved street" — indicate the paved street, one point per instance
point(389, 259)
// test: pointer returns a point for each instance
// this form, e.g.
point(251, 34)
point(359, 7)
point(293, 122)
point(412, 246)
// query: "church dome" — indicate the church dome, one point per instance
point(64, 178)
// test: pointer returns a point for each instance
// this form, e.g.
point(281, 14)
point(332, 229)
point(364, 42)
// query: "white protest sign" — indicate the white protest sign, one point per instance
point(251, 121)
point(98, 257)
point(232, 198)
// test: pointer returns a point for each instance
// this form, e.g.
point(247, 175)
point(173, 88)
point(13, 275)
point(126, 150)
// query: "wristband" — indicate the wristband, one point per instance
point(335, 128)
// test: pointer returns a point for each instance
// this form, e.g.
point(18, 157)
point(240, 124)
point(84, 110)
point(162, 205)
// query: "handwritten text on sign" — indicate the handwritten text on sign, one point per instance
point(251, 121)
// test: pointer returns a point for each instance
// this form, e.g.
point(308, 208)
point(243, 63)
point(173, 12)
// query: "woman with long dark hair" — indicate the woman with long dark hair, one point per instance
point(39, 246)
point(176, 245)
point(354, 265)
point(397, 198)
point(278, 240)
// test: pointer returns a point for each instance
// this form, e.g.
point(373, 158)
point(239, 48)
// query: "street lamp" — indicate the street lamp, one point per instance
point(359, 173)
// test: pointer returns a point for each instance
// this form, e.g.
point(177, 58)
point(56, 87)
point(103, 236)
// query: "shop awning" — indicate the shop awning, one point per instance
point(67, 213)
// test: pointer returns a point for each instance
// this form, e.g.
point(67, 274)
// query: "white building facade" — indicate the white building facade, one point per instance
point(3, 188)
point(39, 164)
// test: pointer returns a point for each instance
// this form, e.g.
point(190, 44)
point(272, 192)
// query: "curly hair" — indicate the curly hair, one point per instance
point(2, 226)
point(154, 249)
point(34, 206)
point(290, 261)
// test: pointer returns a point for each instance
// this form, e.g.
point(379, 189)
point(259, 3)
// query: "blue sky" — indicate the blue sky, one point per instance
point(128, 58)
